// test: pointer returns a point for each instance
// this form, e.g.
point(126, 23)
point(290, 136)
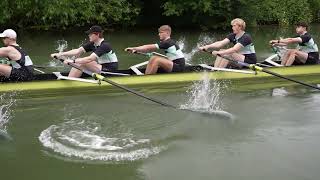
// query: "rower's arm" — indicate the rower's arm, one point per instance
point(218, 44)
point(4, 51)
point(290, 40)
point(143, 48)
point(86, 59)
point(73, 52)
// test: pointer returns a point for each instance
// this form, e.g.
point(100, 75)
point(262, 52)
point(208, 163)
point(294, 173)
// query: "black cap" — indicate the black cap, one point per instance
point(94, 29)
point(302, 24)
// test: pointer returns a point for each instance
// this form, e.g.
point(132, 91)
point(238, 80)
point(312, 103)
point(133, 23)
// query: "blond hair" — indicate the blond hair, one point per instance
point(239, 22)
point(166, 28)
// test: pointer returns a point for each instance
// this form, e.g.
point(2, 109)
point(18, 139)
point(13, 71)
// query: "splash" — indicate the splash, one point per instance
point(84, 140)
point(6, 103)
point(61, 45)
point(280, 92)
point(205, 96)
point(202, 40)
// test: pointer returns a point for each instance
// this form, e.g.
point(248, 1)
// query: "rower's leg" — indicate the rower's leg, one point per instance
point(301, 56)
point(286, 57)
point(5, 70)
point(75, 73)
point(217, 61)
point(156, 62)
point(221, 63)
point(237, 57)
point(92, 66)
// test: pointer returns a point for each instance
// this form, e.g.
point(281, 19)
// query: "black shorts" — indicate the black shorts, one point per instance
point(178, 65)
point(109, 66)
point(313, 58)
point(21, 74)
point(250, 58)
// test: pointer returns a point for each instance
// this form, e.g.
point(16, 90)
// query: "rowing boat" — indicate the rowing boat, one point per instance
point(47, 84)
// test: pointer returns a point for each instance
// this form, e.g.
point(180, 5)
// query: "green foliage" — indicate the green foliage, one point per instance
point(315, 9)
point(207, 14)
point(65, 13)
point(283, 12)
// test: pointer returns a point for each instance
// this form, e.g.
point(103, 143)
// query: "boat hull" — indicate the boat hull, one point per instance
point(167, 82)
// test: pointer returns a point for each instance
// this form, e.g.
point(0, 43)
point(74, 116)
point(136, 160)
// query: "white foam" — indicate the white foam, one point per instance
point(205, 96)
point(6, 103)
point(280, 92)
point(88, 146)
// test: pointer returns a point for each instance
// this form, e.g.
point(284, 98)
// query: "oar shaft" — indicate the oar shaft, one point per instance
point(289, 79)
point(97, 76)
point(102, 78)
point(258, 68)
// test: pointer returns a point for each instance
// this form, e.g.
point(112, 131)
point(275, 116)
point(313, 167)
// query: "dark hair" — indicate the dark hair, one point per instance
point(100, 34)
point(302, 24)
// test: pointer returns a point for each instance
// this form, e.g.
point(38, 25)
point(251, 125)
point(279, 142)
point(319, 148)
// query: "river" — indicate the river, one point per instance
point(265, 134)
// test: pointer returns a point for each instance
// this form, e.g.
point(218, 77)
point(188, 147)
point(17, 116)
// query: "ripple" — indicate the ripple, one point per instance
point(89, 144)
point(280, 92)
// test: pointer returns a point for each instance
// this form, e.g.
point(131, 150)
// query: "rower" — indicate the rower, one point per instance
point(174, 62)
point(306, 52)
point(102, 58)
point(18, 66)
point(243, 49)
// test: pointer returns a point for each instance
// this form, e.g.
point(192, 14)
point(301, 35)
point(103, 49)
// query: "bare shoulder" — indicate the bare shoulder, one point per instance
point(4, 51)
point(10, 52)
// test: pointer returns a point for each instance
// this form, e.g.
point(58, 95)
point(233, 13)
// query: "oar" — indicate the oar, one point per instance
point(220, 113)
point(102, 78)
point(258, 68)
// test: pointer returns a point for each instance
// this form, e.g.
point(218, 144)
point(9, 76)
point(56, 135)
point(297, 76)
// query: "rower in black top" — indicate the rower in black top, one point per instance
point(243, 49)
point(18, 66)
point(102, 57)
point(307, 51)
point(174, 62)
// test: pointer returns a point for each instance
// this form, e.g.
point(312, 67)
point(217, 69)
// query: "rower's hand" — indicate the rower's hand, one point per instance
point(215, 53)
point(129, 49)
point(56, 55)
point(67, 61)
point(273, 42)
point(203, 48)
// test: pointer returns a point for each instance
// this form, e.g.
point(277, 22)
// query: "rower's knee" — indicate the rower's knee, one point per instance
point(292, 52)
point(153, 61)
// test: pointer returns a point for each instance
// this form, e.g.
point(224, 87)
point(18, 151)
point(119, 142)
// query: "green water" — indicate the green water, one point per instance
point(273, 133)
point(271, 137)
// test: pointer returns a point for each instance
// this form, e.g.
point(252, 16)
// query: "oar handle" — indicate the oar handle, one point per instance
point(231, 60)
point(60, 59)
